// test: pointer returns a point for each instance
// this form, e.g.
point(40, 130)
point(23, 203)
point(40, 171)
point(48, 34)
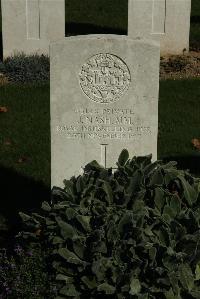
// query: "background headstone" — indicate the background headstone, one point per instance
point(29, 26)
point(164, 20)
point(104, 97)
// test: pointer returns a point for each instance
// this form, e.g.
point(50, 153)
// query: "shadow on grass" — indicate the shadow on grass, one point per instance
point(18, 193)
point(191, 163)
point(195, 19)
point(1, 46)
point(86, 28)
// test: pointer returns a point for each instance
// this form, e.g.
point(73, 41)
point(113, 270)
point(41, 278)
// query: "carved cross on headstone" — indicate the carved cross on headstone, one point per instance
point(104, 157)
point(104, 154)
point(33, 19)
point(159, 16)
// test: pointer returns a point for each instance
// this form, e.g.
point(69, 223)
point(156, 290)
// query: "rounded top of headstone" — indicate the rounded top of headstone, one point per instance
point(104, 78)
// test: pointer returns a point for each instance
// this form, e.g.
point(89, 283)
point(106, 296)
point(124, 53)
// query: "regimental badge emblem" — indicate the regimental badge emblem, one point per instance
point(104, 78)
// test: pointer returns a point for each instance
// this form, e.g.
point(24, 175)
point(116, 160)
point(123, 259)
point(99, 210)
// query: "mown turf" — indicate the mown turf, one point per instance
point(105, 16)
point(195, 11)
point(179, 122)
point(195, 25)
point(25, 132)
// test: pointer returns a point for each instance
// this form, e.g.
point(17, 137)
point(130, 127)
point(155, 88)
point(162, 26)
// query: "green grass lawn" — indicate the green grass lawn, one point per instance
point(195, 24)
point(105, 16)
point(25, 132)
point(179, 122)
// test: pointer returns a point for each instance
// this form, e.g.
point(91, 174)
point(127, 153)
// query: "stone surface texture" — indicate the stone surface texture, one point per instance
point(29, 26)
point(104, 97)
point(164, 20)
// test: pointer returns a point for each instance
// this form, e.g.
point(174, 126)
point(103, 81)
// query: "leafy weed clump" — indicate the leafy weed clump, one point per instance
point(129, 234)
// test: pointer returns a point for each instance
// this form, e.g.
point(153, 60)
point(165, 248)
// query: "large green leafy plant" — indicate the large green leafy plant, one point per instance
point(132, 233)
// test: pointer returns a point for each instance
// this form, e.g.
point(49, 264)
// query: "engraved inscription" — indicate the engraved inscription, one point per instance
point(104, 78)
point(117, 123)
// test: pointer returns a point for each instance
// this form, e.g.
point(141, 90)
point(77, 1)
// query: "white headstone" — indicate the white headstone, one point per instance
point(104, 97)
point(29, 26)
point(164, 20)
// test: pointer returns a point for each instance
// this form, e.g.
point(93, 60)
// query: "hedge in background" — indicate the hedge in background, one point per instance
point(26, 69)
point(134, 233)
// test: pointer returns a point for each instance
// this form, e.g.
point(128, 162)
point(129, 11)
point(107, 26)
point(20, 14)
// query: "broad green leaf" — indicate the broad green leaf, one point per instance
point(156, 178)
point(170, 295)
point(135, 286)
point(66, 279)
point(70, 213)
point(123, 157)
point(39, 217)
point(197, 272)
point(186, 277)
point(152, 253)
point(143, 161)
point(25, 217)
point(170, 212)
point(94, 165)
point(112, 234)
point(159, 198)
point(69, 291)
point(69, 256)
point(150, 168)
point(80, 184)
point(49, 221)
point(195, 293)
point(168, 263)
point(57, 240)
point(106, 288)
point(69, 187)
point(190, 193)
point(135, 182)
point(170, 174)
point(175, 205)
point(148, 231)
point(174, 282)
point(61, 205)
point(84, 221)
point(108, 190)
point(126, 219)
point(170, 251)
point(79, 249)
point(67, 231)
point(91, 284)
point(46, 206)
point(59, 193)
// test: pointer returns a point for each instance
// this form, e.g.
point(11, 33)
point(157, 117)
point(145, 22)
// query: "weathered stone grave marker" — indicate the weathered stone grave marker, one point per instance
point(164, 20)
point(29, 26)
point(104, 97)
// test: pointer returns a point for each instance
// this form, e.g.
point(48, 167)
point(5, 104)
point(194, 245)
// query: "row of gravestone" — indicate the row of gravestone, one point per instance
point(104, 88)
point(30, 25)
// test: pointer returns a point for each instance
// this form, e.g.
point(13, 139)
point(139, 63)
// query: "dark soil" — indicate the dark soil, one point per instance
point(180, 66)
